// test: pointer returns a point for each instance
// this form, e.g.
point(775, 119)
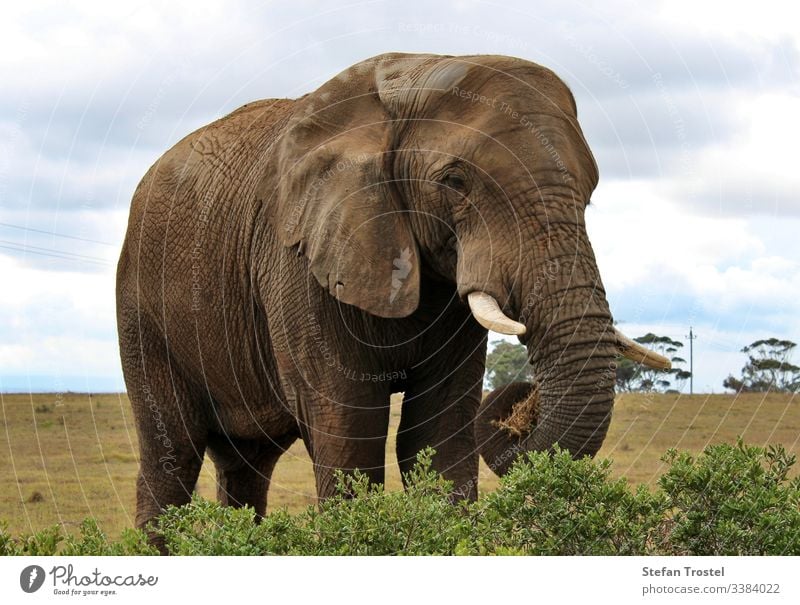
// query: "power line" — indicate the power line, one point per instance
point(53, 233)
point(63, 252)
point(52, 253)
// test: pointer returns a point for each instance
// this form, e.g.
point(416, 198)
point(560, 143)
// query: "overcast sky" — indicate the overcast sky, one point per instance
point(692, 112)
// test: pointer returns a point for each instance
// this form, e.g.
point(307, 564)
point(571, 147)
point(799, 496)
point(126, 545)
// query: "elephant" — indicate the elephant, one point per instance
point(289, 266)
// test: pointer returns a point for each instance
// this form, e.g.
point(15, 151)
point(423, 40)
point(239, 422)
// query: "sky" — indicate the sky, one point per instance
point(691, 110)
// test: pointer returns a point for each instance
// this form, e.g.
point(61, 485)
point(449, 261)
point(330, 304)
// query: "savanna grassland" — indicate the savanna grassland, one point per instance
point(64, 457)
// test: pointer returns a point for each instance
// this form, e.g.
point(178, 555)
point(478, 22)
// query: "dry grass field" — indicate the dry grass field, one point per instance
point(65, 457)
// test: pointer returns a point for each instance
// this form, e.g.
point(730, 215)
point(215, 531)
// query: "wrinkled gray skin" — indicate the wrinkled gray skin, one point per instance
point(289, 266)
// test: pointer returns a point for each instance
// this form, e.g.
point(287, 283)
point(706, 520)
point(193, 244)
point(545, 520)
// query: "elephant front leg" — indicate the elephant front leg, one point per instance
point(439, 410)
point(345, 432)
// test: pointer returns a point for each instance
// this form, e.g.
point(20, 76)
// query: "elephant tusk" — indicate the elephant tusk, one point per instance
point(636, 352)
point(487, 313)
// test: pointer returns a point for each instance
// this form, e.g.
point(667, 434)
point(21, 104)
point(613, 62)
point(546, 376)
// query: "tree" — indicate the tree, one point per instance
point(507, 362)
point(627, 371)
point(632, 376)
point(767, 369)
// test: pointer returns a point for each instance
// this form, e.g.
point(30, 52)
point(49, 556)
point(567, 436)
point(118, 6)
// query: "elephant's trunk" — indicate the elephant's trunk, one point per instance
point(569, 404)
point(572, 345)
point(575, 380)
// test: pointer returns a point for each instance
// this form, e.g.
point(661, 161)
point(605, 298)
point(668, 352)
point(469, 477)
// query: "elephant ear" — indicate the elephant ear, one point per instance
point(337, 203)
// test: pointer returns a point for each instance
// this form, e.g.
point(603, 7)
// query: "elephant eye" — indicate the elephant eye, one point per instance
point(455, 181)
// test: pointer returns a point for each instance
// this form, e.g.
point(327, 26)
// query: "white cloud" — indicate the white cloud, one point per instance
point(762, 283)
point(756, 171)
point(57, 321)
point(768, 18)
point(87, 42)
point(68, 181)
point(637, 231)
point(661, 264)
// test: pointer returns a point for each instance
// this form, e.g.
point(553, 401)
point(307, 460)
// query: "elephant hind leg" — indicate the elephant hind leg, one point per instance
point(163, 482)
point(168, 471)
point(171, 425)
point(244, 469)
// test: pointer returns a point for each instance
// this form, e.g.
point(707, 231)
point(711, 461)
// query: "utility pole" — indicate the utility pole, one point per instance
point(691, 338)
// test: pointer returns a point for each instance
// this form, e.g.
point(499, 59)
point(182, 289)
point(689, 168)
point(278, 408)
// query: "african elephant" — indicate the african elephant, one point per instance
point(289, 266)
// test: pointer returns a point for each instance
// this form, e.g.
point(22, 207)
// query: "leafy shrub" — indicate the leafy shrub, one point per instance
point(90, 540)
point(730, 500)
point(360, 520)
point(363, 520)
point(554, 505)
point(207, 528)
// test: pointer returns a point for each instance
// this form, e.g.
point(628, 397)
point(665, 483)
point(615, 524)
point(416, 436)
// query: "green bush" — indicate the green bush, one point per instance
point(206, 528)
point(90, 540)
point(360, 520)
point(730, 500)
point(554, 505)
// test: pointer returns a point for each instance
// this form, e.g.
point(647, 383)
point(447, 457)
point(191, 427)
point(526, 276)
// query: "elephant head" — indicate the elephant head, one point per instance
point(475, 171)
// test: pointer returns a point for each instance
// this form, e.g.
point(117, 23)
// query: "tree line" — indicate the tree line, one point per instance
point(768, 367)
